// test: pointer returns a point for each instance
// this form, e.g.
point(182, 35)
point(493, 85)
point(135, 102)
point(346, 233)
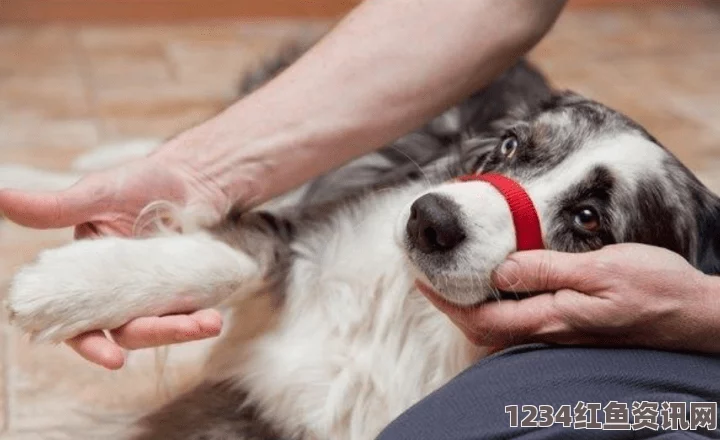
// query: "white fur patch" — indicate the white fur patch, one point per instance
point(102, 284)
point(627, 155)
point(356, 343)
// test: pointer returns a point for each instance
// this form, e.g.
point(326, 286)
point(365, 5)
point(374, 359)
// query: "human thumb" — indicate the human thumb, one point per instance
point(540, 271)
point(45, 210)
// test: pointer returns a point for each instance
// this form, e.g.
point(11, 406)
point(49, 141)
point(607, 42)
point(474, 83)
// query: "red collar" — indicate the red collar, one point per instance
point(528, 233)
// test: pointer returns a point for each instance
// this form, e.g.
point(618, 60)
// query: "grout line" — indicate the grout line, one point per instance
point(84, 67)
point(169, 60)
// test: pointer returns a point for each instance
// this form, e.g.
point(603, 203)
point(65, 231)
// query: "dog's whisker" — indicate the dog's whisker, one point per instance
point(523, 287)
point(422, 172)
point(473, 275)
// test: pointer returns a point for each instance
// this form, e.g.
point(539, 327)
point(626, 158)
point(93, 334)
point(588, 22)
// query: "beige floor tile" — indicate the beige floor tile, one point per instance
point(99, 37)
point(284, 29)
point(693, 147)
point(709, 172)
point(633, 31)
point(204, 66)
point(11, 34)
point(161, 126)
point(60, 96)
point(27, 129)
point(143, 66)
point(668, 76)
point(37, 51)
point(704, 109)
point(159, 111)
point(161, 119)
point(43, 99)
point(47, 158)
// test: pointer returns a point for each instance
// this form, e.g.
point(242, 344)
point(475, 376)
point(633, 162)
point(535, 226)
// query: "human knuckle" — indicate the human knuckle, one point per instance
point(545, 269)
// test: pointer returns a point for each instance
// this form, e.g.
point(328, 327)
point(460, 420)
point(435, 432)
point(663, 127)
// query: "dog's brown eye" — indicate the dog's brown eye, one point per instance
point(508, 146)
point(588, 219)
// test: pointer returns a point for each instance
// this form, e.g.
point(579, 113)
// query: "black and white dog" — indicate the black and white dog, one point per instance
point(352, 343)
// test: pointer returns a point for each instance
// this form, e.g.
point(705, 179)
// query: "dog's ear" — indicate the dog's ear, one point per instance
point(708, 252)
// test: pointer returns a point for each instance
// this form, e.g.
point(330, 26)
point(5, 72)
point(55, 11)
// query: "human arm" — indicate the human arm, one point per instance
point(386, 68)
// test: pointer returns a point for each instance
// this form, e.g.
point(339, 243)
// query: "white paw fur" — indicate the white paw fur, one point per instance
point(103, 284)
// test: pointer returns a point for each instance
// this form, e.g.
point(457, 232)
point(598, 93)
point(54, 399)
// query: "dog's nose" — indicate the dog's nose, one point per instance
point(433, 225)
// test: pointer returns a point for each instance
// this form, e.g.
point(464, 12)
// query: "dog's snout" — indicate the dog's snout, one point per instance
point(433, 225)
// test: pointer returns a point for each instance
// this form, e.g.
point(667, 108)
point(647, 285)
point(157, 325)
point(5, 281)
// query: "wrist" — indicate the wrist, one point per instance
point(707, 315)
point(244, 153)
point(187, 158)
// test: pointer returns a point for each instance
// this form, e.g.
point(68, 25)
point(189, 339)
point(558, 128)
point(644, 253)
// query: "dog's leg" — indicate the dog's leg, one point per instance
point(104, 283)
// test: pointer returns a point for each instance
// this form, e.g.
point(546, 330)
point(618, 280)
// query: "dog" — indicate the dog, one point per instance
point(352, 342)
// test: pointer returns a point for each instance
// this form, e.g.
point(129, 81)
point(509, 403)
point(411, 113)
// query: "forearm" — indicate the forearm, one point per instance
point(386, 68)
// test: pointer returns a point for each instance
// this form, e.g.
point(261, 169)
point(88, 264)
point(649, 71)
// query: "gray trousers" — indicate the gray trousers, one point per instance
point(588, 389)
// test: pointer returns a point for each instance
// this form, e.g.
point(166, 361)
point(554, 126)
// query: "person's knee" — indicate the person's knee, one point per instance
point(473, 405)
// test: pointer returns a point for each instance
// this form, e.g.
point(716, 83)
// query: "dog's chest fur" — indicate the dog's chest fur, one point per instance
point(356, 344)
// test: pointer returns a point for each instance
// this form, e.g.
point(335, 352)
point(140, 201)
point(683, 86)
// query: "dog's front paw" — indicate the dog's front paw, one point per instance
point(66, 292)
point(105, 283)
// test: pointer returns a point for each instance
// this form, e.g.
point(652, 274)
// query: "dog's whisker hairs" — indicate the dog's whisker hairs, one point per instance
point(321, 281)
point(481, 285)
point(523, 287)
point(472, 284)
point(420, 169)
point(492, 292)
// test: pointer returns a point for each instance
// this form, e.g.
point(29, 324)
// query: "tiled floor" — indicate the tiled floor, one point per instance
point(63, 90)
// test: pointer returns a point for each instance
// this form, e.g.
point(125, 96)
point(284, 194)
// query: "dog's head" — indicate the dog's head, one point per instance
point(595, 178)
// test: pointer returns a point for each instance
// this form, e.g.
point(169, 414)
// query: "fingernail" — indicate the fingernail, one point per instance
point(507, 274)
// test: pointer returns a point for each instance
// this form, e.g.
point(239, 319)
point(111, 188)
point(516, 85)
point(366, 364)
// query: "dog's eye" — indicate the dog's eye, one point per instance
point(508, 146)
point(587, 219)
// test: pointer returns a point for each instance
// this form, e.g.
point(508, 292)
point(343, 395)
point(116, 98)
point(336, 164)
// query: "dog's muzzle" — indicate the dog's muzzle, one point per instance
point(432, 228)
point(528, 233)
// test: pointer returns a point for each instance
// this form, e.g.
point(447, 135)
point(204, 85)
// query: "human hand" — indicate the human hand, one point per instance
point(621, 295)
point(108, 203)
